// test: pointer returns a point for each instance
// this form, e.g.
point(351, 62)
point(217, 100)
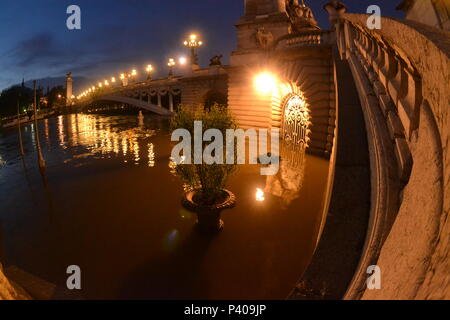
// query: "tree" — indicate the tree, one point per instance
point(9, 98)
point(56, 97)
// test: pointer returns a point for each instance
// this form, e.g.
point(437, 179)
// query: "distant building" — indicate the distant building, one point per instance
point(435, 13)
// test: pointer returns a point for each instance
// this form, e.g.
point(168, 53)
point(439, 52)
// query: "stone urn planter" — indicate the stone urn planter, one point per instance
point(208, 216)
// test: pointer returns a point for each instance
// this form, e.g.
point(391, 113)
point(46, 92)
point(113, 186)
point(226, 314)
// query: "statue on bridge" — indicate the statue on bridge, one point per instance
point(301, 16)
point(335, 9)
point(216, 61)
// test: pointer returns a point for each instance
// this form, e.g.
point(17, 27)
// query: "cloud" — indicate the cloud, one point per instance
point(33, 50)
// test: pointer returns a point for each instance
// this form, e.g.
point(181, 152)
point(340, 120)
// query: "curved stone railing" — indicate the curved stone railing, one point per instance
point(403, 77)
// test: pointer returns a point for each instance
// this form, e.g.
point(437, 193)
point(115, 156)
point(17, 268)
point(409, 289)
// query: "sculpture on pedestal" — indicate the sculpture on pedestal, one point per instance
point(216, 61)
point(335, 9)
point(301, 16)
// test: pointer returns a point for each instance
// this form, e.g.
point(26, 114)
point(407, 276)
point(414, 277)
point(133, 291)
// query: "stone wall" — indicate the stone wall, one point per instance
point(423, 11)
point(307, 69)
point(409, 63)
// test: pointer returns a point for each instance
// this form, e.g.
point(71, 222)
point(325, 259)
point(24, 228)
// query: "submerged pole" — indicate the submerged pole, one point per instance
point(22, 152)
point(41, 160)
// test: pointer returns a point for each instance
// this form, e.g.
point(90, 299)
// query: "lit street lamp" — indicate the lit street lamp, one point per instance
point(182, 61)
point(149, 70)
point(193, 43)
point(171, 64)
point(133, 75)
point(124, 79)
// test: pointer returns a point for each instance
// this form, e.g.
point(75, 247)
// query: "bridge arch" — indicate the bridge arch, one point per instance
point(131, 101)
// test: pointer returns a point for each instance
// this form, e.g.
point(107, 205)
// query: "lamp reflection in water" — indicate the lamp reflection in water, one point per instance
point(151, 155)
point(259, 194)
point(100, 138)
point(288, 182)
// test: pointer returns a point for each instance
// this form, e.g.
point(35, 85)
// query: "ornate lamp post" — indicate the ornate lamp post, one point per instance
point(149, 70)
point(133, 75)
point(171, 64)
point(193, 43)
point(124, 79)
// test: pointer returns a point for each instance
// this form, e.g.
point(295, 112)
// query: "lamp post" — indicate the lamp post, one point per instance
point(133, 75)
point(149, 70)
point(124, 79)
point(193, 43)
point(171, 64)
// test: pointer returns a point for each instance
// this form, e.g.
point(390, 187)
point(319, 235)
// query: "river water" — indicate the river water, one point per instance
point(109, 204)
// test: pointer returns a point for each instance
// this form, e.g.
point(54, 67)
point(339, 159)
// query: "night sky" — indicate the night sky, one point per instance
point(118, 35)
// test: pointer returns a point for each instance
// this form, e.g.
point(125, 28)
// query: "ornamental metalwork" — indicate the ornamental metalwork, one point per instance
point(296, 121)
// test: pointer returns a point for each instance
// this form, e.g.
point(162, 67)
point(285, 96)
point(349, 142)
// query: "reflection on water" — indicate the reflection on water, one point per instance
point(288, 181)
point(93, 136)
point(112, 206)
point(259, 195)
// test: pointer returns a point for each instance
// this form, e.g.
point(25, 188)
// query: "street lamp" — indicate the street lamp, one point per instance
point(193, 43)
point(149, 70)
point(182, 61)
point(133, 74)
point(113, 80)
point(265, 83)
point(124, 79)
point(171, 63)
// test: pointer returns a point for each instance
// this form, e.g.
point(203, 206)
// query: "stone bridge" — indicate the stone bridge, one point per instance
point(201, 87)
point(378, 102)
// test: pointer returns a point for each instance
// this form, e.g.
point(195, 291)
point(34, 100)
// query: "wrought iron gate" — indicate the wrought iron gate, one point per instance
point(296, 121)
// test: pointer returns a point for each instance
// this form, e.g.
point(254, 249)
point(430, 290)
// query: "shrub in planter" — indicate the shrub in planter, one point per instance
point(206, 183)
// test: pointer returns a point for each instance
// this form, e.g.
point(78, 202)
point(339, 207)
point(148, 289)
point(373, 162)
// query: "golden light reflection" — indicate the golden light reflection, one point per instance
point(137, 158)
point(47, 132)
point(61, 135)
point(259, 194)
point(151, 155)
point(103, 139)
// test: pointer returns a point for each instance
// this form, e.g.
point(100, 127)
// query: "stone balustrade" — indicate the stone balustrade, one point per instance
point(310, 38)
point(395, 81)
point(402, 73)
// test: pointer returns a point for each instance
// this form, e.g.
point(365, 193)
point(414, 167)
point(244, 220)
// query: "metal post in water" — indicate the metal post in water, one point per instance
point(22, 152)
point(41, 160)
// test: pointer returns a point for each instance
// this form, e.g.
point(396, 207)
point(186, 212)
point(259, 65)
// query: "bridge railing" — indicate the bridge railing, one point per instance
point(309, 38)
point(402, 72)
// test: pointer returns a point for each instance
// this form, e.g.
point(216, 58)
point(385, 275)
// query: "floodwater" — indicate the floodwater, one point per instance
point(109, 203)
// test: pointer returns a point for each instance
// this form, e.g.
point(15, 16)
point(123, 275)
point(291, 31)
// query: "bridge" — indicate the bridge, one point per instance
point(162, 96)
point(384, 93)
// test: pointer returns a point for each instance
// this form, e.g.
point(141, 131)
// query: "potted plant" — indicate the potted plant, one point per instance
point(205, 184)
